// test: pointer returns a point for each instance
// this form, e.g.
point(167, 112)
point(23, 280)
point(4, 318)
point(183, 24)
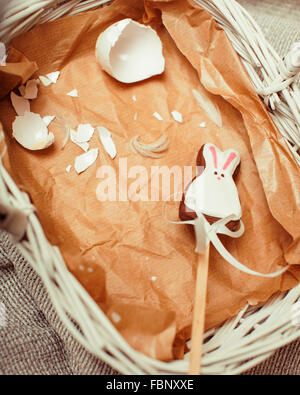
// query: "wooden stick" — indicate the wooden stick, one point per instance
point(199, 312)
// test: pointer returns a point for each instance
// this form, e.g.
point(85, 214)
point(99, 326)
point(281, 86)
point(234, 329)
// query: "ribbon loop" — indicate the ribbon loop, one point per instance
point(206, 233)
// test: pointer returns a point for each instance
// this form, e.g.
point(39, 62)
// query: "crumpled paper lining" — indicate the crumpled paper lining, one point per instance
point(115, 248)
point(17, 70)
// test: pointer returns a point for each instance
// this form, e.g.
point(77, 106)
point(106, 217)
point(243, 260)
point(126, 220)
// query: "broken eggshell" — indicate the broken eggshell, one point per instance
point(31, 132)
point(106, 140)
point(130, 52)
point(31, 89)
point(84, 161)
point(19, 103)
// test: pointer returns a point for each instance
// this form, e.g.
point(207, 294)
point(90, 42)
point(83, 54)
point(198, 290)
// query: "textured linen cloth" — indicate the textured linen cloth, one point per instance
point(32, 338)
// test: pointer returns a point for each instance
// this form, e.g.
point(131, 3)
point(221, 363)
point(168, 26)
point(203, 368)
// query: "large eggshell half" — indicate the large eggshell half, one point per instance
point(31, 132)
point(130, 52)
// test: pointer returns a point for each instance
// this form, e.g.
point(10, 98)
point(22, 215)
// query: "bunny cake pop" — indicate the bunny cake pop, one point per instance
point(213, 193)
point(211, 204)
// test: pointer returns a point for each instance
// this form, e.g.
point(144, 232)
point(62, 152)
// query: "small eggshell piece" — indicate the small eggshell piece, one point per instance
point(115, 317)
point(106, 140)
point(158, 116)
point(45, 81)
point(73, 93)
point(177, 116)
point(84, 161)
point(74, 138)
point(84, 133)
point(53, 76)
point(31, 90)
point(20, 104)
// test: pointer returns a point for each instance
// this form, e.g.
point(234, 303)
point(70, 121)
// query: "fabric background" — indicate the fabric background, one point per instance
point(32, 338)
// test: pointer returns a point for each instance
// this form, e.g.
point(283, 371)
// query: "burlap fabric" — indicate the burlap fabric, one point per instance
point(32, 338)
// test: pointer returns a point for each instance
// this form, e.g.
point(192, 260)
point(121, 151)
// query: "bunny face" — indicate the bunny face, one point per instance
point(214, 192)
point(220, 164)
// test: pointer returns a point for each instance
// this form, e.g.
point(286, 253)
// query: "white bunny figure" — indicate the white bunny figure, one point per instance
point(214, 192)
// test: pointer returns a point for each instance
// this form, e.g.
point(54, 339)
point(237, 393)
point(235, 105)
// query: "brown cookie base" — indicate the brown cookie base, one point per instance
point(186, 214)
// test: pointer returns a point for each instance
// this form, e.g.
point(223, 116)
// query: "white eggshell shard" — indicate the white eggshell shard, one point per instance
point(84, 133)
point(53, 77)
point(45, 81)
point(31, 90)
point(158, 116)
point(31, 132)
point(177, 116)
point(74, 138)
point(73, 93)
point(106, 140)
point(130, 52)
point(20, 104)
point(84, 161)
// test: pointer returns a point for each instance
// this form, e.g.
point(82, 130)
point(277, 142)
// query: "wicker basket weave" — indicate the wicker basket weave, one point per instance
point(255, 332)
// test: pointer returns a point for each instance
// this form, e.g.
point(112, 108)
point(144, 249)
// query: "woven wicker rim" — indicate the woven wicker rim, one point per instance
point(255, 332)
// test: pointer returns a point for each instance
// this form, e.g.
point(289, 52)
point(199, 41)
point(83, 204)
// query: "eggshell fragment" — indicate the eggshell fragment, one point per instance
point(177, 116)
point(20, 104)
point(31, 132)
point(106, 140)
point(73, 135)
point(84, 161)
point(31, 90)
point(53, 76)
point(73, 93)
point(84, 133)
point(82, 144)
point(158, 116)
point(130, 51)
point(115, 317)
point(50, 78)
point(45, 81)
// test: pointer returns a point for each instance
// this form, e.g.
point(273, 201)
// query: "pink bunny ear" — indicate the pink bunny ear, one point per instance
point(214, 155)
point(230, 158)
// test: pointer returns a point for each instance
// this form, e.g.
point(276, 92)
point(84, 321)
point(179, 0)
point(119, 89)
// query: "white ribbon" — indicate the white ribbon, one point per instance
point(206, 233)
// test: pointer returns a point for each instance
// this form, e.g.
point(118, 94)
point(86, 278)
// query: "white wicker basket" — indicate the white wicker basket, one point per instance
point(255, 332)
